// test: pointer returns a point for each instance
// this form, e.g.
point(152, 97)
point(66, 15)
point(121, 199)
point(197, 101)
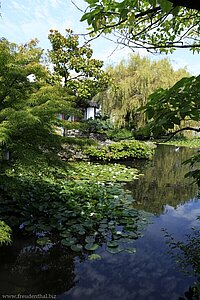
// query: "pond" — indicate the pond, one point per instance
point(149, 274)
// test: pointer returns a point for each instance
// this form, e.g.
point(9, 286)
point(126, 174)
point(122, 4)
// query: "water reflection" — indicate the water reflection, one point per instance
point(26, 269)
point(150, 274)
point(163, 182)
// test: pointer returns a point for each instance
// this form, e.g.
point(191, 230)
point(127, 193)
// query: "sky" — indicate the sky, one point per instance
point(23, 20)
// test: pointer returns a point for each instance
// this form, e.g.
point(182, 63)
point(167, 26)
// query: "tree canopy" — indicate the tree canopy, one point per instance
point(133, 80)
point(157, 25)
point(83, 75)
point(32, 95)
point(176, 106)
point(29, 107)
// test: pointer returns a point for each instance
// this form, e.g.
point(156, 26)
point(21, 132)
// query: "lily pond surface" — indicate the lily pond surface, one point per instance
point(149, 274)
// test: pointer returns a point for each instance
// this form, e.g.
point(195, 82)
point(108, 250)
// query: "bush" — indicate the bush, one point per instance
point(96, 126)
point(124, 150)
point(119, 134)
point(5, 233)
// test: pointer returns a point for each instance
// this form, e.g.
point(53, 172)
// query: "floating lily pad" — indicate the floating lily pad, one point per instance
point(94, 257)
point(112, 244)
point(68, 242)
point(90, 239)
point(114, 250)
point(130, 250)
point(91, 247)
point(77, 247)
point(43, 241)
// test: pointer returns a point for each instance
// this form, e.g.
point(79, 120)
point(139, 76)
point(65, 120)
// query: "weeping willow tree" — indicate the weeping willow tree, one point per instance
point(133, 81)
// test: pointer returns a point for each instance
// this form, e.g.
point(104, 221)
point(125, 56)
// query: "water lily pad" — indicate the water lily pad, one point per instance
point(68, 242)
point(43, 241)
point(103, 225)
point(94, 257)
point(112, 244)
point(90, 239)
point(114, 250)
point(130, 250)
point(81, 232)
point(91, 247)
point(77, 247)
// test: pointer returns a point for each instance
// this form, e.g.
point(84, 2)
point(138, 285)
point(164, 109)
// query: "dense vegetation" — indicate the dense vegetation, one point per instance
point(133, 80)
point(79, 206)
point(124, 150)
point(148, 24)
point(5, 233)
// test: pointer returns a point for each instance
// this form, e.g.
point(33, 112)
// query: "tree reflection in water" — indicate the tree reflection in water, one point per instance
point(163, 181)
point(33, 269)
point(187, 255)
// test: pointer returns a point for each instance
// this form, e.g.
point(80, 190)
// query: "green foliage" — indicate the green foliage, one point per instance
point(97, 126)
point(157, 25)
point(5, 233)
point(101, 173)
point(168, 108)
point(133, 80)
point(82, 74)
point(119, 134)
point(124, 150)
point(84, 214)
point(28, 109)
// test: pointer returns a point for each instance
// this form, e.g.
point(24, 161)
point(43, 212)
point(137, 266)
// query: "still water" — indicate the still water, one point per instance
point(150, 274)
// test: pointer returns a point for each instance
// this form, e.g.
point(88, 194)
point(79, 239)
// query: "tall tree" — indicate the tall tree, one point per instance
point(157, 25)
point(82, 74)
point(28, 107)
point(133, 81)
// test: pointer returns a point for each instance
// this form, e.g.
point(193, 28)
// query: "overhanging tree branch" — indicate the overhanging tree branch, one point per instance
point(182, 129)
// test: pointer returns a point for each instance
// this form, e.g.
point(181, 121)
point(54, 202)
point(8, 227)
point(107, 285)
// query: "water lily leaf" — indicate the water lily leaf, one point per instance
point(90, 239)
point(103, 225)
point(112, 244)
point(101, 230)
point(104, 221)
point(68, 242)
point(94, 257)
point(65, 234)
point(114, 250)
point(43, 241)
point(130, 250)
point(91, 247)
point(81, 232)
point(77, 247)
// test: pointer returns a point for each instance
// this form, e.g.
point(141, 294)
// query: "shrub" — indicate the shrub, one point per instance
point(119, 134)
point(5, 233)
point(124, 150)
point(96, 126)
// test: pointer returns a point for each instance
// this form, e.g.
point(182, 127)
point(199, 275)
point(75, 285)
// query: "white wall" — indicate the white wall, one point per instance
point(90, 112)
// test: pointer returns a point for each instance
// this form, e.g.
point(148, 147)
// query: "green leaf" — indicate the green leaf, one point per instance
point(114, 250)
point(76, 247)
point(94, 256)
point(130, 250)
point(112, 244)
point(43, 241)
point(91, 247)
